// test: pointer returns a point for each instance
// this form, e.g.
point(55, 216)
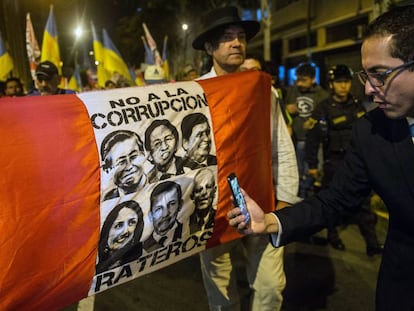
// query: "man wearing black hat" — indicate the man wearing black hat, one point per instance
point(47, 80)
point(224, 38)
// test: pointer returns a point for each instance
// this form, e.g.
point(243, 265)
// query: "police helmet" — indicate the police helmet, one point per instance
point(340, 72)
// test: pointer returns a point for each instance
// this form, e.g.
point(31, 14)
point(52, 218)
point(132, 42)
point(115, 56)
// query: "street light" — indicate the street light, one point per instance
point(78, 32)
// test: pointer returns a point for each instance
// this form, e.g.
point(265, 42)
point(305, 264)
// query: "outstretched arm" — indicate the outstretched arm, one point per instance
point(259, 221)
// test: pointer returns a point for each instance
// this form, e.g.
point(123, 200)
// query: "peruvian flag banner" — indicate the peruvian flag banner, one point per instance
point(103, 187)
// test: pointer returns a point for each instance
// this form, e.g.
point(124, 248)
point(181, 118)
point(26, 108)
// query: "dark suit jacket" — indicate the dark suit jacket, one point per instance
point(381, 157)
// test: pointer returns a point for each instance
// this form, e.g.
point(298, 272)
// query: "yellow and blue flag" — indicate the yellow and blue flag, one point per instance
point(50, 45)
point(98, 51)
point(75, 82)
point(112, 59)
point(6, 62)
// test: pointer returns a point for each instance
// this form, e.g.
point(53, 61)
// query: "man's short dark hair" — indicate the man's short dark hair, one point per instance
point(398, 22)
point(306, 70)
point(113, 138)
point(15, 79)
point(191, 120)
point(109, 82)
point(165, 187)
point(153, 126)
point(255, 57)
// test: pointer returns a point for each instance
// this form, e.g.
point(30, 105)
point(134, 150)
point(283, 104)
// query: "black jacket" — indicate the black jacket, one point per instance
point(381, 158)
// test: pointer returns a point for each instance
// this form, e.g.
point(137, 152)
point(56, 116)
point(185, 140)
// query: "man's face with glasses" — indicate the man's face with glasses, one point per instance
point(387, 79)
point(378, 79)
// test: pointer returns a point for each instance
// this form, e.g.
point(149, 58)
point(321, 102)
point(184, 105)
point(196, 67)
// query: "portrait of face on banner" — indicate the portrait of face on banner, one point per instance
point(158, 177)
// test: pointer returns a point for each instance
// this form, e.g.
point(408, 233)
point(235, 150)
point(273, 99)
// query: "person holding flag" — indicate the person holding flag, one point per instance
point(224, 38)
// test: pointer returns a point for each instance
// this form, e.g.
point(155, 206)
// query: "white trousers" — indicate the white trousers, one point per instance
point(265, 274)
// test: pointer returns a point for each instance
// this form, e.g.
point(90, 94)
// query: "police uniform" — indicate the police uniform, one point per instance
point(331, 125)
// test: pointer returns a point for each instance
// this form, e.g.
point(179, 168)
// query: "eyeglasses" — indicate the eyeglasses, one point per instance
point(377, 79)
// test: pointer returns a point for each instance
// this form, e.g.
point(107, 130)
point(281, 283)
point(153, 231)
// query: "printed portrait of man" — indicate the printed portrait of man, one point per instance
point(161, 141)
point(123, 156)
point(203, 194)
point(165, 203)
point(197, 141)
point(120, 236)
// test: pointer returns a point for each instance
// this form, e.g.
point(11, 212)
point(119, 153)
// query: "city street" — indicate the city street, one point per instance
point(318, 278)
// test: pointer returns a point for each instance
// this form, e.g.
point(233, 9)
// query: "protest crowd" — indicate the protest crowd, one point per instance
point(313, 139)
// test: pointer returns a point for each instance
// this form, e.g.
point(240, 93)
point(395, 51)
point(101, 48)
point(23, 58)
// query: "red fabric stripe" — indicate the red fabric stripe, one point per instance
point(237, 104)
point(49, 215)
point(49, 186)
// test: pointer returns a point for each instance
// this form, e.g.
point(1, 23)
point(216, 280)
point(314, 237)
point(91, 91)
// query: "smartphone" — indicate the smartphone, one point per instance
point(238, 196)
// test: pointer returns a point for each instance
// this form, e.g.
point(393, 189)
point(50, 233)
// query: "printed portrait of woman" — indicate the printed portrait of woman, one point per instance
point(121, 232)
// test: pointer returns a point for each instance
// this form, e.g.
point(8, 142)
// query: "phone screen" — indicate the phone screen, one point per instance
point(238, 196)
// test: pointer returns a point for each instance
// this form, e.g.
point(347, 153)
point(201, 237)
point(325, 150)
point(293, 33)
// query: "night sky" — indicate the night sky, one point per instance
point(163, 21)
point(69, 14)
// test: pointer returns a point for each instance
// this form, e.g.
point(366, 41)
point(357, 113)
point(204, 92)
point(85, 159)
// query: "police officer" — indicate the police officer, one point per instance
point(331, 124)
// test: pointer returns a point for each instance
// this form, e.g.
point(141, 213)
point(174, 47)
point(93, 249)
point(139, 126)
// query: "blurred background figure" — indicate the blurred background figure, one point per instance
point(188, 73)
point(109, 84)
point(47, 80)
point(122, 82)
point(13, 87)
point(301, 100)
point(251, 62)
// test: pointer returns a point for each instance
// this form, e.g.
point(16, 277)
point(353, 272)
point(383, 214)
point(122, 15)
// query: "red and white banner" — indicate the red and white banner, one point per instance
point(103, 187)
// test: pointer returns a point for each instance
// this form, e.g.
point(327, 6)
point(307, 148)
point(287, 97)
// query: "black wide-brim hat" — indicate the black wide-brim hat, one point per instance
point(222, 17)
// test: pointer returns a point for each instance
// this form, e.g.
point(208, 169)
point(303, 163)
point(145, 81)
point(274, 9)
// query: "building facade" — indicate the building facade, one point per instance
point(325, 32)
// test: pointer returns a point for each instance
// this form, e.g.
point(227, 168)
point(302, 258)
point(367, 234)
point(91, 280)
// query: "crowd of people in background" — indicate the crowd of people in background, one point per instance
point(48, 81)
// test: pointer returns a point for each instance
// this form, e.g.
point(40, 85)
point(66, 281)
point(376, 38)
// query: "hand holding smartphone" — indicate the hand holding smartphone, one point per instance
point(238, 196)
